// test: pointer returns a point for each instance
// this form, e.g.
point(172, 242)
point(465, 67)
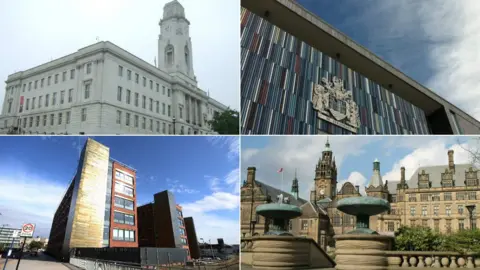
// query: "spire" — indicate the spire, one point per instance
point(327, 146)
point(376, 179)
point(294, 190)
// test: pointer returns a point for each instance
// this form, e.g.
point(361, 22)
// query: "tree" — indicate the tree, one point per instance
point(226, 123)
point(464, 241)
point(35, 245)
point(417, 239)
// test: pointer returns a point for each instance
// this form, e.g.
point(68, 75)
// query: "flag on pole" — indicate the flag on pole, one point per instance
point(280, 170)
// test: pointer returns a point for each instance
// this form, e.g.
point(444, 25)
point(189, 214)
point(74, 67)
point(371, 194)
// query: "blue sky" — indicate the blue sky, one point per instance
point(354, 156)
point(434, 42)
point(201, 171)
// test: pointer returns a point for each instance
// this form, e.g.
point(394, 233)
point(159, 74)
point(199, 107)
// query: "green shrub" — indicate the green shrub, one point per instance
point(424, 239)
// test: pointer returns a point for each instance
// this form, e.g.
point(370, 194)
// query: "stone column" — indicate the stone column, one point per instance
point(193, 110)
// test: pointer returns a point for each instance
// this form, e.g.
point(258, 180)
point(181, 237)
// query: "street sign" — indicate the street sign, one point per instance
point(27, 230)
point(15, 233)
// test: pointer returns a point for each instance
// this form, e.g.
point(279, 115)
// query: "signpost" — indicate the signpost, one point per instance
point(14, 235)
point(27, 231)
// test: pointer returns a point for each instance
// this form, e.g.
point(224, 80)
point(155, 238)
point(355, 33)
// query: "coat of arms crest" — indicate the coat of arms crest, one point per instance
point(327, 93)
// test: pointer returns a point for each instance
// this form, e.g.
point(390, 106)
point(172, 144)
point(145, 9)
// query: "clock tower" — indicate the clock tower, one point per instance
point(174, 43)
point(326, 175)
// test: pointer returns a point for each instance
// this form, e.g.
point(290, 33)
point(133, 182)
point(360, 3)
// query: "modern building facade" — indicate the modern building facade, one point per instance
point(6, 237)
point(103, 89)
point(192, 238)
point(301, 76)
point(438, 197)
point(98, 208)
point(161, 223)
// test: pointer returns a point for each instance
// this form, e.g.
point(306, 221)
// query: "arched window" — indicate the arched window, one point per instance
point(187, 55)
point(169, 55)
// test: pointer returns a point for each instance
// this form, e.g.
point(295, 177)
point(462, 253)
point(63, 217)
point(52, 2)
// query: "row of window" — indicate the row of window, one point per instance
point(123, 189)
point(124, 177)
point(436, 224)
point(447, 196)
point(122, 218)
point(124, 235)
point(127, 121)
point(448, 210)
point(51, 119)
point(123, 203)
point(40, 83)
point(128, 96)
point(144, 81)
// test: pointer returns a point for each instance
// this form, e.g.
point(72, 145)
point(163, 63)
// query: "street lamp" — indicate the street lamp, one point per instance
point(253, 226)
point(173, 119)
point(470, 209)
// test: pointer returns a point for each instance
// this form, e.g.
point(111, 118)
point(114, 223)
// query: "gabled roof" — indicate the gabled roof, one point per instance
point(435, 176)
point(274, 192)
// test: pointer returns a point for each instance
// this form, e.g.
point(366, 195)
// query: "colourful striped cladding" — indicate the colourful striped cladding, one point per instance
point(279, 73)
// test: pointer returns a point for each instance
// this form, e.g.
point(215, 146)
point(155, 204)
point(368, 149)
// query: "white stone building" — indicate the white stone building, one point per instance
point(103, 89)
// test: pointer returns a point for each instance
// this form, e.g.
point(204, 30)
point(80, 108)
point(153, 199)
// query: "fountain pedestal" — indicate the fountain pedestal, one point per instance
point(362, 248)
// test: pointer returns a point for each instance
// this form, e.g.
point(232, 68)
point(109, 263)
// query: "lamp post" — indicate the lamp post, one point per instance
point(253, 226)
point(470, 209)
point(173, 119)
point(211, 249)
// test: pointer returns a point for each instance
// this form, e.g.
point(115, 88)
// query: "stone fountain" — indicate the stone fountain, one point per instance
point(278, 248)
point(362, 248)
point(280, 214)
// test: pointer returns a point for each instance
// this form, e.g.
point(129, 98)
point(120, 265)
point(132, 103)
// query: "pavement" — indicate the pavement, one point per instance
point(41, 262)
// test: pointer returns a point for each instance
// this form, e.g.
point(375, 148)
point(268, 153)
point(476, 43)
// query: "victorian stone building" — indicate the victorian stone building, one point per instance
point(104, 89)
point(435, 197)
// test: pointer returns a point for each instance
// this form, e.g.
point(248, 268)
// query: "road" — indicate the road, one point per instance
point(41, 262)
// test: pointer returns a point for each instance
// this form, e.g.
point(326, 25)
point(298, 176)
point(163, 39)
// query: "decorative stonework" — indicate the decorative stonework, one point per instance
point(322, 97)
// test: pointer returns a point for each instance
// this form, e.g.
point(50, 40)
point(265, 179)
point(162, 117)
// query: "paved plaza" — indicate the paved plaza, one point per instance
point(41, 262)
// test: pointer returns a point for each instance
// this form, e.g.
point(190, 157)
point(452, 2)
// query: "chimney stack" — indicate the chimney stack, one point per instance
point(251, 175)
point(357, 188)
point(451, 163)
point(402, 174)
point(313, 196)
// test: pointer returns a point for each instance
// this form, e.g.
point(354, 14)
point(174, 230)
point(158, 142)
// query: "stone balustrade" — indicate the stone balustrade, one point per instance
point(433, 259)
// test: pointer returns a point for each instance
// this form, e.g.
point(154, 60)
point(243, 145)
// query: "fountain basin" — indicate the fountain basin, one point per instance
point(363, 206)
point(279, 211)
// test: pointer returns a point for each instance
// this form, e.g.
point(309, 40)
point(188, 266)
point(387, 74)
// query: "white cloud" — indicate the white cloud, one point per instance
point(130, 25)
point(448, 32)
point(209, 224)
point(176, 187)
point(357, 179)
point(26, 197)
point(298, 152)
point(231, 142)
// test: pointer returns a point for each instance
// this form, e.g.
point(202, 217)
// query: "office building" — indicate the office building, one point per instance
point(301, 76)
point(99, 206)
point(161, 223)
point(6, 237)
point(104, 89)
point(438, 197)
point(192, 238)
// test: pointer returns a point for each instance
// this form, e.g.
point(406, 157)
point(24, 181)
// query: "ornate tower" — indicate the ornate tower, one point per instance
point(326, 175)
point(376, 187)
point(174, 43)
point(295, 186)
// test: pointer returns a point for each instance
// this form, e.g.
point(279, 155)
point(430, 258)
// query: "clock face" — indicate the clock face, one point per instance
point(322, 191)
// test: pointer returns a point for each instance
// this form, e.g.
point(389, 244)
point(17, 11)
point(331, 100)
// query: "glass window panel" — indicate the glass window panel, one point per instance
point(120, 235)
point(119, 202)
point(119, 217)
point(128, 204)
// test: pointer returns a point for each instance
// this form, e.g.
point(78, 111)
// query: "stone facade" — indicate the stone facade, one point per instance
point(435, 197)
point(103, 89)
